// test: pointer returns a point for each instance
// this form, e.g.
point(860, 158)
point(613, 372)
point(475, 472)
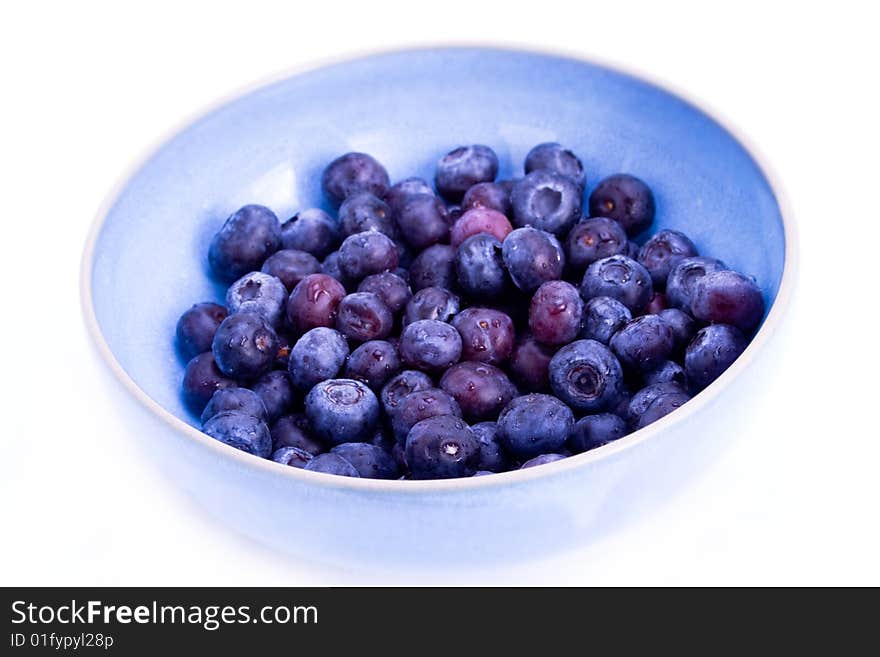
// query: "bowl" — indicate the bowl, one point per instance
point(145, 262)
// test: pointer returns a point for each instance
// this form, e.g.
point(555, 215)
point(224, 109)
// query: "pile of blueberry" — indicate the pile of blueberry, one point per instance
point(487, 326)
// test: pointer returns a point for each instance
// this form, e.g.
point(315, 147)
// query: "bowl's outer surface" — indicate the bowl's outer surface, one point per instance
point(407, 108)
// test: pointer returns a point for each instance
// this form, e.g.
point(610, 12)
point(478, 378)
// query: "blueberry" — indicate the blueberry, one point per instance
point(603, 317)
point(487, 335)
point(248, 237)
point(642, 400)
point(291, 266)
point(201, 379)
point(534, 424)
point(594, 431)
point(442, 447)
point(351, 174)
point(235, 400)
point(479, 220)
point(492, 456)
point(667, 372)
point(586, 376)
point(555, 313)
point(643, 343)
point(530, 363)
point(433, 267)
point(532, 257)
point(318, 355)
point(431, 303)
point(362, 212)
point(295, 430)
point(423, 221)
point(374, 362)
point(632, 250)
point(546, 200)
point(364, 316)
point(276, 392)
point(384, 440)
point(464, 167)
point(489, 196)
point(480, 389)
point(558, 159)
point(592, 240)
point(196, 328)
point(661, 406)
point(656, 305)
point(684, 275)
point(371, 462)
point(258, 293)
point(330, 266)
point(245, 432)
point(727, 297)
point(342, 411)
point(401, 191)
point(420, 405)
point(367, 253)
point(626, 199)
point(430, 345)
point(682, 325)
point(621, 278)
point(662, 252)
point(479, 267)
point(314, 302)
point(541, 460)
point(391, 288)
point(332, 464)
point(245, 346)
point(313, 231)
point(712, 350)
point(400, 386)
point(295, 458)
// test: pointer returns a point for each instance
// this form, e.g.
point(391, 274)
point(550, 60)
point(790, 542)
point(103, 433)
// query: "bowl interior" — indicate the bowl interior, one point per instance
point(407, 109)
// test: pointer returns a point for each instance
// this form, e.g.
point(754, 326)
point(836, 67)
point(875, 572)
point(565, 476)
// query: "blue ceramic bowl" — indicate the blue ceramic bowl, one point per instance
point(145, 263)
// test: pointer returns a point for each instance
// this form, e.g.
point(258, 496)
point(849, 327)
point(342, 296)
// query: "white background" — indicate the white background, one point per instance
point(89, 87)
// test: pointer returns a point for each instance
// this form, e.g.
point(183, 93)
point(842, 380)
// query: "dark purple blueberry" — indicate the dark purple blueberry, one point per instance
point(383, 439)
point(295, 430)
point(351, 174)
point(342, 411)
point(479, 220)
point(532, 257)
point(591, 240)
point(594, 431)
point(462, 168)
point(603, 317)
point(405, 257)
point(245, 346)
point(363, 316)
point(534, 424)
point(541, 460)
point(682, 325)
point(492, 456)
point(291, 266)
point(660, 407)
point(245, 432)
point(423, 221)
point(235, 400)
point(479, 268)
point(548, 201)
point(400, 386)
point(620, 278)
point(643, 399)
point(363, 211)
point(374, 362)
point(667, 372)
point(420, 405)
point(643, 343)
point(248, 237)
point(371, 462)
point(586, 376)
point(442, 447)
point(201, 379)
point(330, 266)
point(626, 199)
point(314, 302)
point(258, 293)
point(728, 297)
point(433, 267)
point(662, 252)
point(656, 305)
point(295, 458)
point(331, 464)
point(367, 253)
point(430, 345)
point(196, 328)
point(480, 389)
point(711, 352)
point(555, 313)
point(557, 158)
point(530, 363)
point(401, 191)
point(276, 391)
point(391, 288)
point(431, 303)
point(487, 195)
point(487, 335)
point(313, 231)
point(318, 355)
point(683, 277)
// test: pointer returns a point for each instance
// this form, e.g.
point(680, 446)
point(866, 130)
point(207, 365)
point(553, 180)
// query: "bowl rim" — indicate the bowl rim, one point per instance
point(707, 396)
